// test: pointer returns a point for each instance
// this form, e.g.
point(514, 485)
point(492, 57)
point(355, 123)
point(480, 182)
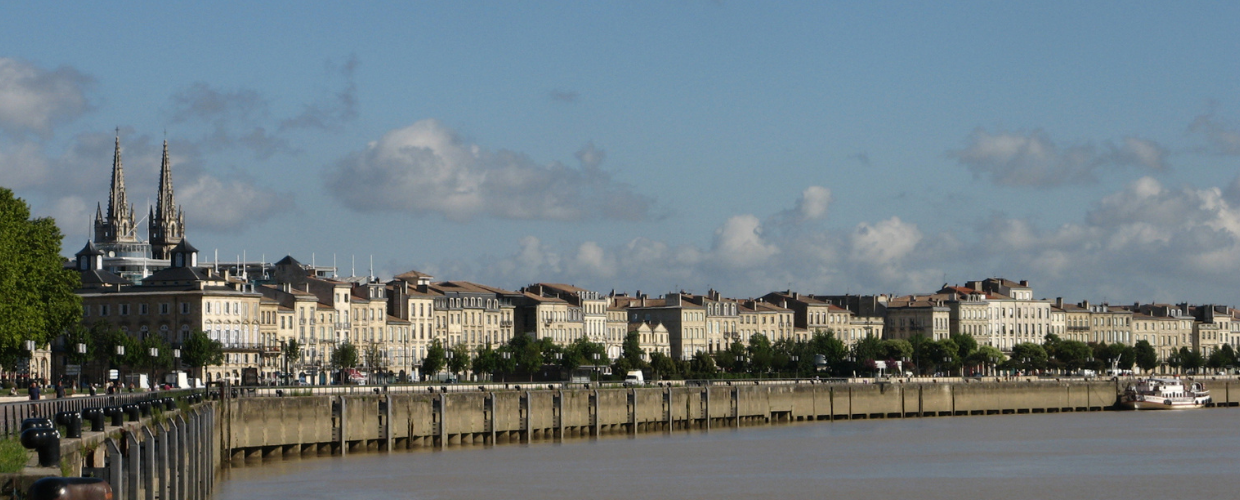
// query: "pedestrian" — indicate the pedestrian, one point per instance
point(60, 390)
point(92, 389)
point(34, 391)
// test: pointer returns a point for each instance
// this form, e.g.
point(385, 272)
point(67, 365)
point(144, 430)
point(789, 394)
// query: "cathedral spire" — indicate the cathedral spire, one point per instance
point(119, 224)
point(166, 226)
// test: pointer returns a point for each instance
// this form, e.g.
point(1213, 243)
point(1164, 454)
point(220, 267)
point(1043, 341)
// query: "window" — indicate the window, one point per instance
point(124, 309)
point(164, 308)
point(86, 310)
point(142, 309)
point(184, 308)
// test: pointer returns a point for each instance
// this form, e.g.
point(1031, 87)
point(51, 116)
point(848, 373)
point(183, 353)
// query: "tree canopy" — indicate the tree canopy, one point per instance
point(197, 351)
point(39, 303)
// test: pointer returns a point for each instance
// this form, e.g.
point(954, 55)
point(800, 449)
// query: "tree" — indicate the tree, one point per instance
point(829, 347)
point(78, 334)
point(434, 360)
point(761, 356)
point(896, 349)
point(1191, 360)
point(162, 361)
point(703, 366)
point(344, 356)
point(662, 365)
point(37, 302)
point(459, 360)
point(292, 352)
point(918, 341)
point(965, 345)
point(198, 351)
point(582, 352)
point(487, 360)
point(374, 358)
point(1072, 353)
point(868, 349)
point(632, 350)
point(1145, 356)
point(1028, 356)
point(526, 354)
point(985, 355)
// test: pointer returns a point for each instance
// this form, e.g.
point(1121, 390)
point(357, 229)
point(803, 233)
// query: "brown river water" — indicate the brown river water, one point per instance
point(1100, 455)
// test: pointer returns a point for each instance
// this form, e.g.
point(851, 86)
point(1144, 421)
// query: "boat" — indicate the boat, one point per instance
point(1164, 394)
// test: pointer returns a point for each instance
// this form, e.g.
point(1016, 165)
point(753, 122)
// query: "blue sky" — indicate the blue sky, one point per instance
point(747, 146)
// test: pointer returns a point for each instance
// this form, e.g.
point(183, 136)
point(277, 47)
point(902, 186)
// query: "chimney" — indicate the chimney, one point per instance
point(1059, 302)
point(1024, 282)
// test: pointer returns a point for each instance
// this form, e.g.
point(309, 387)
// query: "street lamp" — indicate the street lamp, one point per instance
point(796, 367)
point(596, 373)
point(81, 350)
point(29, 345)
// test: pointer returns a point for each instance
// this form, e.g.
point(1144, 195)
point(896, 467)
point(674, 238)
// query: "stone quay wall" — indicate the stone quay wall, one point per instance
point(341, 424)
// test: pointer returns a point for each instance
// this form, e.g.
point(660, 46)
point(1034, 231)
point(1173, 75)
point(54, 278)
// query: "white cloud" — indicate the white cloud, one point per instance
point(228, 204)
point(34, 100)
point(427, 168)
point(1034, 160)
point(1147, 242)
point(739, 243)
point(813, 202)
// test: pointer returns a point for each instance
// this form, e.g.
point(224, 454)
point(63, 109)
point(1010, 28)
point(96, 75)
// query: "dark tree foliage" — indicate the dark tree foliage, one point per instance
point(38, 300)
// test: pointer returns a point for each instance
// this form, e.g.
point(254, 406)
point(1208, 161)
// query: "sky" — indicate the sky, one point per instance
point(825, 147)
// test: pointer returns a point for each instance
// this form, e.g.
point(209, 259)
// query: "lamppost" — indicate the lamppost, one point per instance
point(120, 352)
point(796, 367)
point(81, 350)
point(450, 361)
point(176, 364)
point(29, 345)
point(596, 373)
point(154, 352)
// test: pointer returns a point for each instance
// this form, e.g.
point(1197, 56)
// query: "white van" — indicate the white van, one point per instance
point(634, 377)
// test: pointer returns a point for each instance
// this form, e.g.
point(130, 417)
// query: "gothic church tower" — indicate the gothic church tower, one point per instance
point(118, 227)
point(166, 225)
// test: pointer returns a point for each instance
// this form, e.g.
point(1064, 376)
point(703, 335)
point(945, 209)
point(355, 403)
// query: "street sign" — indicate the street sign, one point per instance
point(114, 374)
point(73, 370)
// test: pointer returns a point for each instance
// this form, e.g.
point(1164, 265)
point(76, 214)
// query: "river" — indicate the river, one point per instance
point(1121, 455)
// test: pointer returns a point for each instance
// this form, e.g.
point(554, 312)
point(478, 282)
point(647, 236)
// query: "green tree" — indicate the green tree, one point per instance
point(919, 341)
point(868, 349)
point(198, 351)
point(486, 361)
point(1072, 353)
point(632, 350)
point(36, 291)
point(344, 356)
point(703, 366)
point(526, 354)
point(985, 356)
point(761, 355)
point(79, 334)
point(1145, 356)
point(162, 361)
point(663, 366)
point(434, 360)
point(459, 360)
point(1191, 360)
point(292, 352)
point(896, 349)
point(829, 347)
point(584, 352)
point(1028, 356)
point(965, 345)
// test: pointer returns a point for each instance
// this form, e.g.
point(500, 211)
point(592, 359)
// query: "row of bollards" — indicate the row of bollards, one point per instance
point(42, 436)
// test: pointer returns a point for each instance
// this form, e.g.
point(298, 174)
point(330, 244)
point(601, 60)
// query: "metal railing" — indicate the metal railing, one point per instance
point(12, 413)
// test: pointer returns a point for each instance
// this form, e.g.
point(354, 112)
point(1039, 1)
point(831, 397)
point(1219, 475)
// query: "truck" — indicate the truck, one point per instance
point(634, 377)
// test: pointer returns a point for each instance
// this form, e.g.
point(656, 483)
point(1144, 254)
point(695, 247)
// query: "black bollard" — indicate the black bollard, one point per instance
point(132, 411)
point(72, 421)
point(170, 404)
point(95, 416)
point(145, 408)
point(37, 423)
point(116, 414)
point(65, 488)
point(44, 441)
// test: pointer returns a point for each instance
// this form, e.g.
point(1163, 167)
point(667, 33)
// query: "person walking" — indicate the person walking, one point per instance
point(34, 391)
point(60, 390)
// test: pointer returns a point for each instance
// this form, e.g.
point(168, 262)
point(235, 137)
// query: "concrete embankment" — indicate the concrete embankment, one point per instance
point(341, 424)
